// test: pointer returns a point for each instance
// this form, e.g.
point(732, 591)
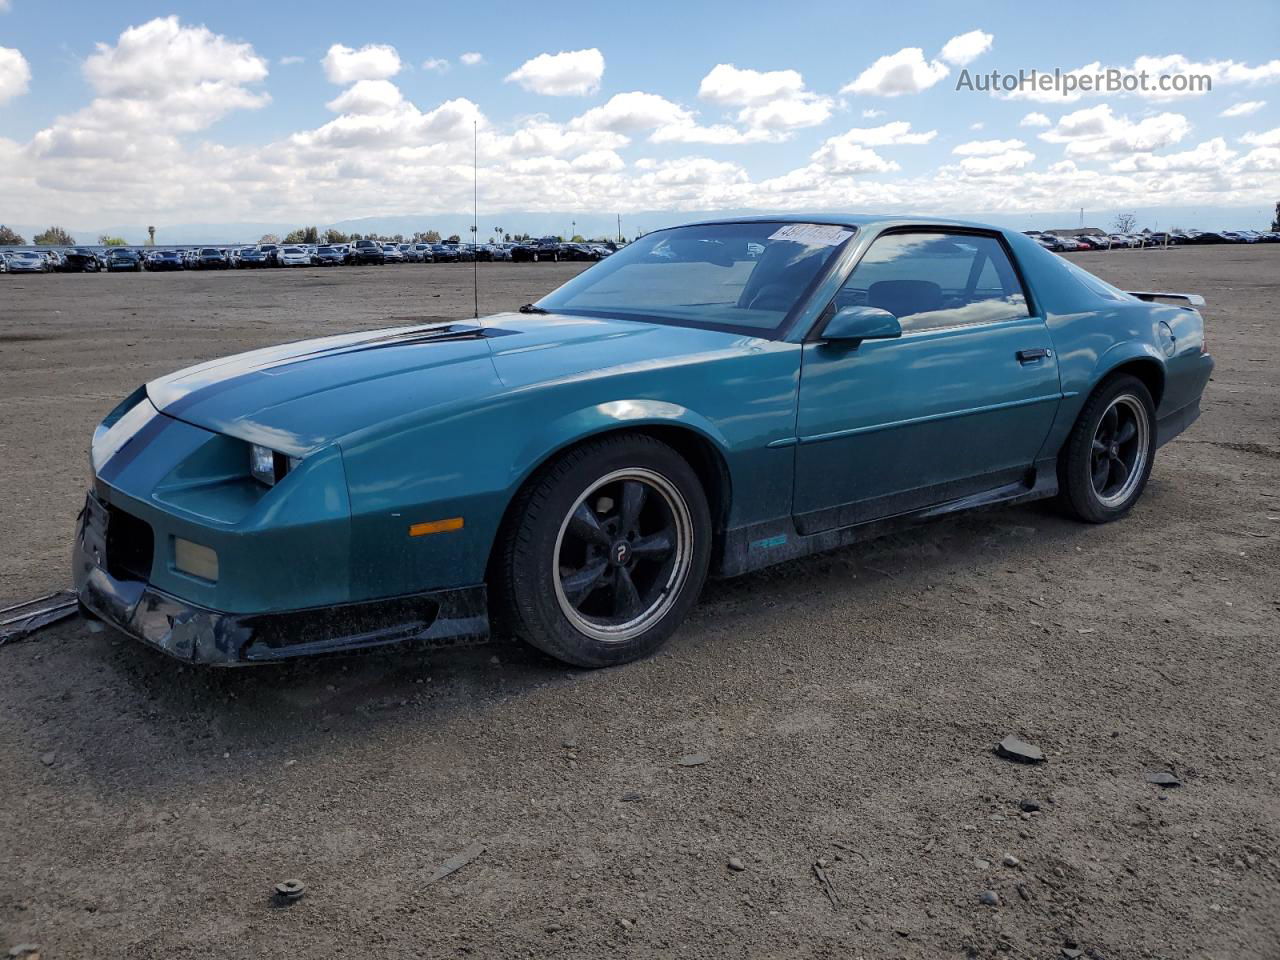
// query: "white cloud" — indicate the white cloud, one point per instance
point(895, 133)
point(367, 96)
point(291, 61)
point(598, 161)
point(731, 86)
point(471, 59)
point(997, 163)
point(966, 48)
point(987, 148)
point(907, 71)
point(771, 102)
point(15, 74)
point(845, 159)
point(872, 114)
point(977, 126)
point(375, 61)
point(568, 73)
point(1270, 138)
point(1098, 131)
point(804, 110)
point(851, 153)
point(436, 65)
point(634, 111)
point(155, 58)
point(1261, 160)
point(1208, 156)
point(1035, 120)
point(1243, 109)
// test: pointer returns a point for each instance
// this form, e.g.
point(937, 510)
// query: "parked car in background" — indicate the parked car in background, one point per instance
point(327, 256)
point(444, 253)
point(122, 259)
point(211, 258)
point(391, 254)
point(81, 260)
point(423, 253)
point(578, 252)
point(368, 252)
point(157, 260)
point(293, 256)
point(252, 257)
point(27, 261)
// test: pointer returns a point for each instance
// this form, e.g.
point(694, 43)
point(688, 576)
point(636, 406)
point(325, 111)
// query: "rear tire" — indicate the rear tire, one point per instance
point(605, 553)
point(1107, 459)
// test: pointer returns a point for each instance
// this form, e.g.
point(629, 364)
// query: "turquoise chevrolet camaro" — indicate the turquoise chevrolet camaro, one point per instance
point(709, 400)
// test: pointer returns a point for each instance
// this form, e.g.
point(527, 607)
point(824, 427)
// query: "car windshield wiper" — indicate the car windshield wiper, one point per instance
point(530, 308)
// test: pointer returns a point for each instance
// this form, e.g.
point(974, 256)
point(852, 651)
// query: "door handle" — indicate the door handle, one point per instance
point(1030, 356)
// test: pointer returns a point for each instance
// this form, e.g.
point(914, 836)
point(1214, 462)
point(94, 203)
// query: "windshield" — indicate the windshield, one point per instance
point(733, 276)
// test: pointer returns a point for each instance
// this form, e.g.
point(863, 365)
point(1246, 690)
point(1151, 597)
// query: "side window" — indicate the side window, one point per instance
point(934, 280)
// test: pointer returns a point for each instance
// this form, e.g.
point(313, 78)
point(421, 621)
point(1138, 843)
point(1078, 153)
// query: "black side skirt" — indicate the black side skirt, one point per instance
point(763, 544)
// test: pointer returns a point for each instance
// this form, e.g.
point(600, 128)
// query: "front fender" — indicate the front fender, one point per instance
point(602, 417)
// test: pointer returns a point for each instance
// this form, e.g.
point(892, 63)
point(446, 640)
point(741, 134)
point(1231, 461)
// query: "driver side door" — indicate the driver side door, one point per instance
point(959, 404)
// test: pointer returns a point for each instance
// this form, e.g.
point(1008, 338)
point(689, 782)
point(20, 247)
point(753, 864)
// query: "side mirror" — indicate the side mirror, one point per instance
point(855, 324)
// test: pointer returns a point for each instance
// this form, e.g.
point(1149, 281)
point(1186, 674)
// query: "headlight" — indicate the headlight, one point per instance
point(268, 466)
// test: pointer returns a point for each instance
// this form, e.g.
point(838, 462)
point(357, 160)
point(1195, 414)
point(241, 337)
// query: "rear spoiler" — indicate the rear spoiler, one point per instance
point(1191, 299)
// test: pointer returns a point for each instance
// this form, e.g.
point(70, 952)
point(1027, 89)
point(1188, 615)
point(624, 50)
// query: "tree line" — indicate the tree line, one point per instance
point(53, 237)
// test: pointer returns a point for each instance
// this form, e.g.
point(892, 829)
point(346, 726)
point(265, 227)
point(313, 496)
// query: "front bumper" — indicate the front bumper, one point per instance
point(200, 635)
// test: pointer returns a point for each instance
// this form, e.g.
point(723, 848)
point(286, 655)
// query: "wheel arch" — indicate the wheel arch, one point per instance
point(1143, 366)
point(703, 454)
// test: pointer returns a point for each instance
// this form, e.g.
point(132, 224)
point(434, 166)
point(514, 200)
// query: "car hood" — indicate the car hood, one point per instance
point(301, 396)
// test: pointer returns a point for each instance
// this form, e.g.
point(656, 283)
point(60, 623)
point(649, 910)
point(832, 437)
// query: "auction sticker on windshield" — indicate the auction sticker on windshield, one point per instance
point(813, 234)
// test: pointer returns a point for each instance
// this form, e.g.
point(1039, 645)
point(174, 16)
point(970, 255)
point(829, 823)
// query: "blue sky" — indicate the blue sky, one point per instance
point(264, 112)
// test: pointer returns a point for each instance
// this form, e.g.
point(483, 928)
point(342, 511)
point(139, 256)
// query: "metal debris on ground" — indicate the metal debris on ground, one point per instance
point(19, 621)
point(29, 951)
point(824, 881)
point(1163, 778)
point(693, 760)
point(456, 863)
point(632, 797)
point(290, 891)
point(1011, 748)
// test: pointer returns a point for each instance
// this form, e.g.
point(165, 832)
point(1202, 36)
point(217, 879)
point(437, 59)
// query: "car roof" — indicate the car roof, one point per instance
point(859, 221)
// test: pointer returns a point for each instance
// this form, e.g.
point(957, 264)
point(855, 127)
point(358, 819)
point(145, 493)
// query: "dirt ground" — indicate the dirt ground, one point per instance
point(847, 705)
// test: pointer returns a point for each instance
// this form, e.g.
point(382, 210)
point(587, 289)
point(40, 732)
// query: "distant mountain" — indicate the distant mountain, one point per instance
point(606, 224)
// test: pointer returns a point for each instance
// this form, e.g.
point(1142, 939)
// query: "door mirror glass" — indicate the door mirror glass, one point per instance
point(862, 323)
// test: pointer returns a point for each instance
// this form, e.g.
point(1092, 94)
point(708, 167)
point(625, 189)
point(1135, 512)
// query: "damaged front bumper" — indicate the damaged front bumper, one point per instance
point(200, 635)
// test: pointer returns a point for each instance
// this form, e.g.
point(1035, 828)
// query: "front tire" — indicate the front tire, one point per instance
point(605, 553)
point(1108, 456)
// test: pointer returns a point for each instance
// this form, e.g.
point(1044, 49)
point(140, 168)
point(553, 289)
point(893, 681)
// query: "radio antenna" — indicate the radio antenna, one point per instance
point(475, 213)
